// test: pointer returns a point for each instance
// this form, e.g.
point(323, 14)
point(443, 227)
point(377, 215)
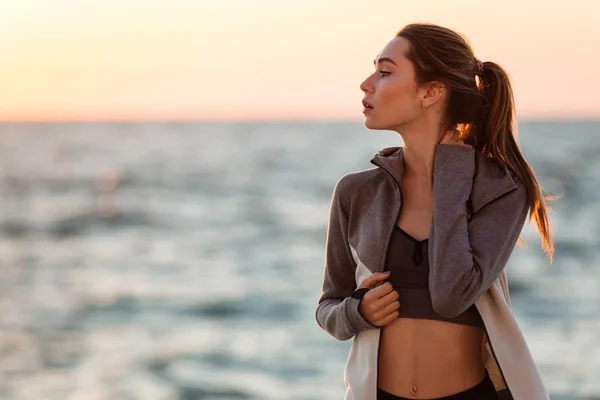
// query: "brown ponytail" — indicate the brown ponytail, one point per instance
point(495, 133)
point(482, 109)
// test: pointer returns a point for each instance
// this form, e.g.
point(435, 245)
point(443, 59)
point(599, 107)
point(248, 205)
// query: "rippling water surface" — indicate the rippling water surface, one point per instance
point(184, 261)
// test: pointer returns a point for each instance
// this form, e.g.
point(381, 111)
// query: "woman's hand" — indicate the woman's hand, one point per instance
point(380, 304)
point(452, 136)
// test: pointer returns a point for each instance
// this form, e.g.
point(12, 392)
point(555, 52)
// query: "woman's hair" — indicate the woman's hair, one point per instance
point(482, 109)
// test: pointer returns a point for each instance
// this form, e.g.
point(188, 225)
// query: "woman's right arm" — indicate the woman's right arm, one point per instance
point(337, 311)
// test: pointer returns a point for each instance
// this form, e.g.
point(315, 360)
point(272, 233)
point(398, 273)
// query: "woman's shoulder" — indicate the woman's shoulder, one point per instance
point(352, 182)
point(493, 178)
point(492, 168)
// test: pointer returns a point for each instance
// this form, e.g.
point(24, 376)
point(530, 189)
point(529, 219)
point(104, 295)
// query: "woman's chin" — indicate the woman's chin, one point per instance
point(370, 123)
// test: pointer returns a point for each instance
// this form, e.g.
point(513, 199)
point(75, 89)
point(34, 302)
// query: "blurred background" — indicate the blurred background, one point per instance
point(166, 169)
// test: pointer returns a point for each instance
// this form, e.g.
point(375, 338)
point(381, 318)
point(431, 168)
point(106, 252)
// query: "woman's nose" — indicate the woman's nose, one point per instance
point(365, 86)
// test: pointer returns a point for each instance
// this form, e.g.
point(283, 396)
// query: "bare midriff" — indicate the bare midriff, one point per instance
point(424, 359)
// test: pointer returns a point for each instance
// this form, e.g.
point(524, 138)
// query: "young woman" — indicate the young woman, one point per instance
point(417, 246)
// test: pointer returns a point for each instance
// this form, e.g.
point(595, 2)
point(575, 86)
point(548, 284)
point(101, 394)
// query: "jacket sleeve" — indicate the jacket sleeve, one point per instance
point(468, 254)
point(337, 311)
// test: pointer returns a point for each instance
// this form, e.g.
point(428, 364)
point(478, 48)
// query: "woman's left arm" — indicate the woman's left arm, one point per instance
point(468, 254)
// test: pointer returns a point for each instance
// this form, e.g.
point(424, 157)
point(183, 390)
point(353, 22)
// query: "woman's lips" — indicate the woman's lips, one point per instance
point(367, 107)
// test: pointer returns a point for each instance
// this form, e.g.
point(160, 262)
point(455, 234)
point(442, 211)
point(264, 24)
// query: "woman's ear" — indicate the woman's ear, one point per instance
point(434, 94)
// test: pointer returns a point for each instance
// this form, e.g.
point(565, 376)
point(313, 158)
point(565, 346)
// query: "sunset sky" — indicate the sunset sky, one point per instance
point(257, 59)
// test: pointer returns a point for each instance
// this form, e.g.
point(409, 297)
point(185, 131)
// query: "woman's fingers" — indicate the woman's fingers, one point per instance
point(380, 303)
point(387, 319)
point(390, 297)
point(381, 290)
point(372, 280)
point(381, 310)
point(388, 307)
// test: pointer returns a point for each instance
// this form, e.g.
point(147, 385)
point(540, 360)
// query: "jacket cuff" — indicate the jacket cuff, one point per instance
point(455, 160)
point(360, 293)
point(355, 318)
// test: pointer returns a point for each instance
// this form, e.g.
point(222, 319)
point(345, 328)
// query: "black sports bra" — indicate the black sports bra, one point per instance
point(408, 260)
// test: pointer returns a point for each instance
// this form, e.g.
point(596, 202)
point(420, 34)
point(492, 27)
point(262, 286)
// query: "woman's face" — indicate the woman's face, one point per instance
point(392, 90)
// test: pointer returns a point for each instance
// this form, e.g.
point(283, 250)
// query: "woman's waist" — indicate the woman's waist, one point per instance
point(429, 353)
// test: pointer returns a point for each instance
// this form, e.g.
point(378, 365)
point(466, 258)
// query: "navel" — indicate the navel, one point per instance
point(414, 389)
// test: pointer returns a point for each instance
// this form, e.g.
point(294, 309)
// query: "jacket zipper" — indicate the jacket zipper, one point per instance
point(385, 262)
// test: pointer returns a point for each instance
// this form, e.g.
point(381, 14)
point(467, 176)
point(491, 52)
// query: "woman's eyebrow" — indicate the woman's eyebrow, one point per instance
point(384, 59)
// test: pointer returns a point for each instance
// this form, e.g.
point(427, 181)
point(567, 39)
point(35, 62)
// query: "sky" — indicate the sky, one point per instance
point(272, 59)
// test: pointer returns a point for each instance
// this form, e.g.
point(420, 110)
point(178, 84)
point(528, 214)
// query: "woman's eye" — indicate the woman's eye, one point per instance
point(383, 73)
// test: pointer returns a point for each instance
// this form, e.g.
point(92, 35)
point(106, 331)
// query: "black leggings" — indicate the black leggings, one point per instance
point(484, 390)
